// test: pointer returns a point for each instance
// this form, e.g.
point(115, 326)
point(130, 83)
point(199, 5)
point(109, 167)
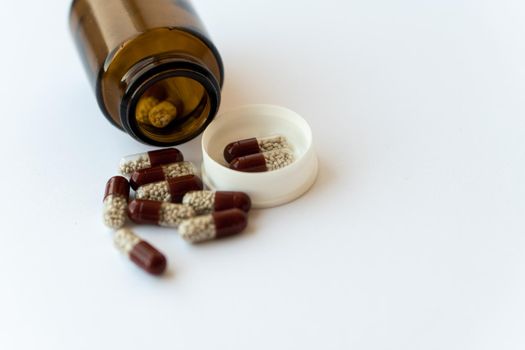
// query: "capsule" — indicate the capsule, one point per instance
point(172, 190)
point(206, 202)
point(116, 199)
point(143, 254)
point(261, 162)
point(159, 213)
point(144, 106)
point(162, 114)
point(254, 145)
point(213, 226)
point(130, 164)
point(161, 173)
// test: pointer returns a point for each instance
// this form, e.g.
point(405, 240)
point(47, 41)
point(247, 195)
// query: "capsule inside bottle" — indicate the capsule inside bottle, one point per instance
point(173, 107)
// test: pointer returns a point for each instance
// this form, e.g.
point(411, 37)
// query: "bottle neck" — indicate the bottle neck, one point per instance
point(180, 80)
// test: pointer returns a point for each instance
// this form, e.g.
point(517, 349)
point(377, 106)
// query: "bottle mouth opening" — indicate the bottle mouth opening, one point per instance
point(170, 104)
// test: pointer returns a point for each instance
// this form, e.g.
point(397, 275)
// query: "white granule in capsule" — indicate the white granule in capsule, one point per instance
point(272, 143)
point(198, 229)
point(130, 166)
point(157, 191)
point(178, 169)
point(115, 208)
point(171, 215)
point(125, 240)
point(202, 202)
point(278, 159)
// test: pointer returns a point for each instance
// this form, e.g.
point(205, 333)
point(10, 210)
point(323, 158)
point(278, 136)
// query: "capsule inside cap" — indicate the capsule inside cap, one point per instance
point(265, 161)
point(241, 148)
point(254, 145)
point(253, 163)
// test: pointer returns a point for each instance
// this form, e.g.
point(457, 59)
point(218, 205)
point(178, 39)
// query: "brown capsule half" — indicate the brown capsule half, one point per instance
point(160, 173)
point(179, 186)
point(165, 156)
point(229, 222)
point(117, 185)
point(144, 211)
point(148, 258)
point(146, 176)
point(253, 163)
point(241, 148)
point(229, 200)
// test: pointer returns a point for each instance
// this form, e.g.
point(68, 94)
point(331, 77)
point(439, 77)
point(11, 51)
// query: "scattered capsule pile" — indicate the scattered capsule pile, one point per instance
point(256, 155)
point(168, 193)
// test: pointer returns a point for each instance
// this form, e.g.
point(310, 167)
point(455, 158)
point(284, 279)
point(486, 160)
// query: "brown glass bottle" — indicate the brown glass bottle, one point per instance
point(155, 72)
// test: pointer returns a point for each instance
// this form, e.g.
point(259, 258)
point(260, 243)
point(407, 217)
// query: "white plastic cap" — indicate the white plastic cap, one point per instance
point(267, 189)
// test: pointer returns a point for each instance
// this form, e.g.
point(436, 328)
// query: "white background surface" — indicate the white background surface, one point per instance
point(412, 238)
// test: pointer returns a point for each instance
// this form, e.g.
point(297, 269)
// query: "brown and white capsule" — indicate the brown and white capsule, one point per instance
point(159, 213)
point(213, 226)
point(261, 162)
point(172, 190)
point(206, 202)
point(132, 163)
point(116, 198)
point(161, 173)
point(140, 252)
point(254, 145)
